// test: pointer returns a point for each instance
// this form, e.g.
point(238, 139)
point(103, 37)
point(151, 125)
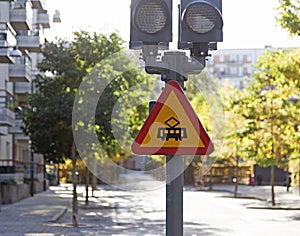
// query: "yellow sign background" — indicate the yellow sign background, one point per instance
point(172, 108)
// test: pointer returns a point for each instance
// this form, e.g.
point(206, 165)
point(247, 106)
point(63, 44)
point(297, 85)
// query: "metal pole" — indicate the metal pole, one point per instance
point(0, 194)
point(175, 163)
point(74, 180)
point(174, 66)
point(174, 195)
point(45, 175)
point(32, 174)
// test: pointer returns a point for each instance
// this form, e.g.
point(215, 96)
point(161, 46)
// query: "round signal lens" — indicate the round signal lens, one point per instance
point(151, 16)
point(201, 17)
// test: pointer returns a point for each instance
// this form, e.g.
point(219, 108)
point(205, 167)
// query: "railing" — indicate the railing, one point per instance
point(7, 35)
point(8, 166)
point(19, 4)
point(21, 15)
point(7, 100)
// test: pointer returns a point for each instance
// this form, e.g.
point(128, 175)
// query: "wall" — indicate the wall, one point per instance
point(14, 192)
point(11, 193)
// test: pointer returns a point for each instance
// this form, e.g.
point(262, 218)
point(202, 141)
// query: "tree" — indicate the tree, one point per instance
point(48, 121)
point(231, 151)
point(267, 110)
point(203, 92)
point(108, 104)
point(50, 137)
point(289, 16)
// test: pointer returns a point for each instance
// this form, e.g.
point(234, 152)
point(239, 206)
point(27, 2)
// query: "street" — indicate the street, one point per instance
point(208, 213)
point(123, 212)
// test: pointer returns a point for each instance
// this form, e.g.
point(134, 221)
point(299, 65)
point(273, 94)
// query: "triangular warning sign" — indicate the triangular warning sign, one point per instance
point(172, 127)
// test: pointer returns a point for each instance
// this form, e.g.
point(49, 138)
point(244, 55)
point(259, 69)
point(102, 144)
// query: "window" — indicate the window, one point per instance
point(249, 70)
point(7, 151)
point(240, 69)
point(241, 86)
point(222, 71)
point(233, 70)
point(3, 35)
point(233, 58)
point(221, 58)
point(249, 58)
point(241, 59)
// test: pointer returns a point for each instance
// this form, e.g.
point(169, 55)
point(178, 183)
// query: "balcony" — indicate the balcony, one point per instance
point(22, 88)
point(38, 4)
point(7, 38)
point(19, 73)
point(30, 42)
point(22, 138)
point(43, 19)
point(7, 117)
point(10, 166)
point(16, 129)
point(17, 170)
point(5, 55)
point(21, 15)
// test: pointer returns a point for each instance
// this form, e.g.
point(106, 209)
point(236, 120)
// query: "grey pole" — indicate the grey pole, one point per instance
point(173, 66)
point(32, 174)
point(0, 194)
point(174, 195)
point(175, 163)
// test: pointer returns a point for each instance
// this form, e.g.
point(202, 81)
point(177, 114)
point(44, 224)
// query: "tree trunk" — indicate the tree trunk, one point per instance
point(210, 179)
point(87, 183)
point(94, 178)
point(58, 174)
point(236, 177)
point(94, 184)
point(74, 180)
point(273, 184)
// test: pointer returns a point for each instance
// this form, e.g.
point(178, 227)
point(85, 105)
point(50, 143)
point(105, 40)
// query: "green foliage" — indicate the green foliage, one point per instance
point(119, 111)
point(235, 123)
point(289, 16)
point(48, 121)
point(269, 114)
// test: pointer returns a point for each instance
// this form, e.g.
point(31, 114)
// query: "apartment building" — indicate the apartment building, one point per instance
point(22, 27)
point(234, 66)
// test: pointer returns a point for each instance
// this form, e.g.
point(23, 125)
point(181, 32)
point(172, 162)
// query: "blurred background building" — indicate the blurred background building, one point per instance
point(234, 66)
point(22, 27)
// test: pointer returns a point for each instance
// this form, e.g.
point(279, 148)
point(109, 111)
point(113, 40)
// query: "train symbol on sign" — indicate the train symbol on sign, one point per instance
point(172, 132)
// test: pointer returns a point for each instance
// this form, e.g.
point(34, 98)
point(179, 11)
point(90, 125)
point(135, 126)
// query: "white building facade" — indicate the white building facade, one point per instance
point(22, 26)
point(234, 66)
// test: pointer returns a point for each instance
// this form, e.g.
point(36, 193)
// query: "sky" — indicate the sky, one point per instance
point(247, 24)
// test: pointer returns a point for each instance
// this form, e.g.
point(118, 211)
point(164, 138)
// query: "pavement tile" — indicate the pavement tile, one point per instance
point(113, 212)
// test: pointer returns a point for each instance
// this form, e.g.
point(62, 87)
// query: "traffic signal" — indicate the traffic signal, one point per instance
point(150, 22)
point(200, 21)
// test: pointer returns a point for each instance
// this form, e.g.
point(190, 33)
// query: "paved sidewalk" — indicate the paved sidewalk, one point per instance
point(34, 215)
point(114, 212)
point(284, 200)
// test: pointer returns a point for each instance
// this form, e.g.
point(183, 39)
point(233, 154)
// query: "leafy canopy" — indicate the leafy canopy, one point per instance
point(48, 121)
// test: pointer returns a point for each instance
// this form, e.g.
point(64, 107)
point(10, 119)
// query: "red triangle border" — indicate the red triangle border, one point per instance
point(208, 145)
